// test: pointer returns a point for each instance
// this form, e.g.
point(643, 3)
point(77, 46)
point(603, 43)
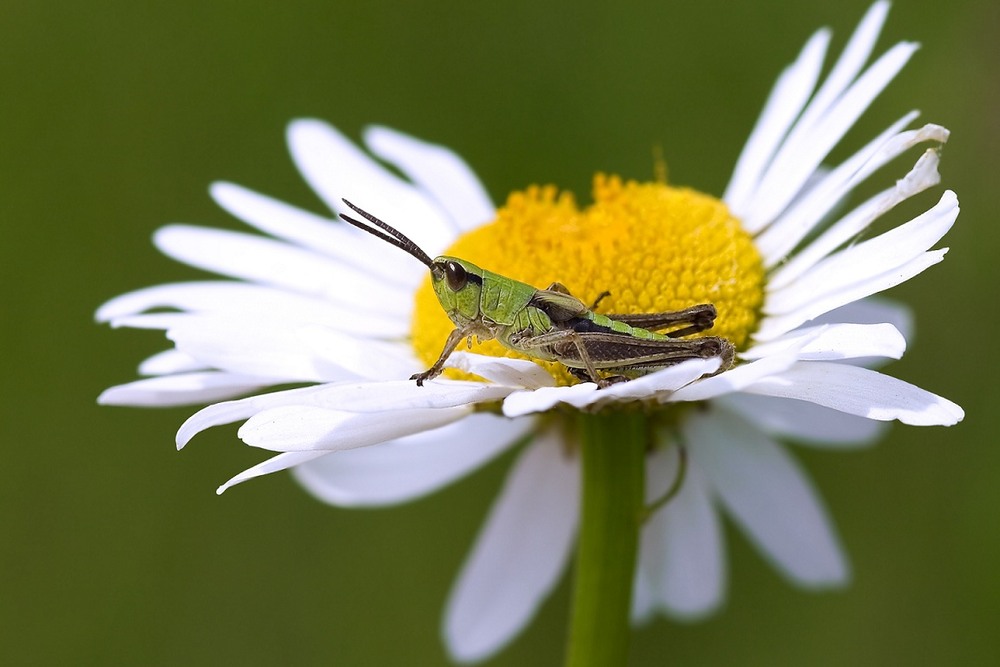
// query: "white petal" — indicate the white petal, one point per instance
point(789, 95)
point(257, 345)
point(775, 140)
point(658, 385)
point(408, 468)
point(806, 211)
point(509, 372)
point(825, 190)
point(682, 552)
point(344, 396)
point(860, 391)
point(776, 325)
point(222, 296)
point(768, 496)
point(888, 251)
point(251, 346)
point(439, 171)
point(334, 238)
point(294, 428)
point(780, 238)
point(802, 422)
point(643, 600)
point(732, 380)
point(661, 383)
point(853, 58)
point(835, 341)
point(161, 321)
point(170, 361)
point(803, 151)
point(519, 555)
point(244, 408)
point(270, 262)
point(273, 464)
point(873, 310)
point(181, 389)
point(359, 355)
point(403, 395)
point(539, 400)
point(336, 169)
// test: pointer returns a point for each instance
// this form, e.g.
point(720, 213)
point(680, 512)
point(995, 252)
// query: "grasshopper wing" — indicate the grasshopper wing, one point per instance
point(559, 306)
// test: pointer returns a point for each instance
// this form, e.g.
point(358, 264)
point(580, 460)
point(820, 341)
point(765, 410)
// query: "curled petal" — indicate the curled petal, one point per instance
point(273, 464)
point(228, 412)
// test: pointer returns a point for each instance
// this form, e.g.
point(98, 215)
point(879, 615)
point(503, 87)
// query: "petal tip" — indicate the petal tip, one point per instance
point(951, 413)
point(219, 191)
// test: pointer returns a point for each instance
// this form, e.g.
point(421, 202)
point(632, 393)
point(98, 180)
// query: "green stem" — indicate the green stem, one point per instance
point(613, 450)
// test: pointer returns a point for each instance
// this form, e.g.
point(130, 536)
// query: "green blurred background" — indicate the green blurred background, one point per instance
point(114, 118)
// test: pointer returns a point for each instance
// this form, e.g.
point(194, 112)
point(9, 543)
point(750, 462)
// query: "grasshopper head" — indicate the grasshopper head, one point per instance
point(458, 285)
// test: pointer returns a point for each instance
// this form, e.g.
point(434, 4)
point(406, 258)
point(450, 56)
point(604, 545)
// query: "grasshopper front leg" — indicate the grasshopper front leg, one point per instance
point(454, 338)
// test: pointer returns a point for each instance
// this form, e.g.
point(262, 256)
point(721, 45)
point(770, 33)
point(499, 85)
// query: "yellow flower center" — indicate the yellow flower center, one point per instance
point(655, 248)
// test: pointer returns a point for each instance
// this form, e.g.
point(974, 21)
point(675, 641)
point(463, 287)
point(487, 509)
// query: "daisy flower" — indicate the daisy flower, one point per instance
point(347, 318)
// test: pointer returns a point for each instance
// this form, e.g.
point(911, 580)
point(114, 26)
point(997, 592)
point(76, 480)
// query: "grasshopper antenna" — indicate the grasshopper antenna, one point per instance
point(394, 236)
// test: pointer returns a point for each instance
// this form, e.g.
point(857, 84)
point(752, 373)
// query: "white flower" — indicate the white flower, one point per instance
point(320, 303)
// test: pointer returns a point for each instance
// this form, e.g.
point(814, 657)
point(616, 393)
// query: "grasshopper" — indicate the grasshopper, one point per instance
point(551, 324)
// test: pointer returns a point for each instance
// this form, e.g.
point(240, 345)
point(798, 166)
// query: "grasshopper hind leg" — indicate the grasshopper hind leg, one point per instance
point(582, 375)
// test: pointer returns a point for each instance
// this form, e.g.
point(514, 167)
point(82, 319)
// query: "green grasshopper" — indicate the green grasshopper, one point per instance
point(552, 324)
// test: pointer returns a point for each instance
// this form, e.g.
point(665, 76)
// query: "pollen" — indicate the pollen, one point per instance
point(651, 246)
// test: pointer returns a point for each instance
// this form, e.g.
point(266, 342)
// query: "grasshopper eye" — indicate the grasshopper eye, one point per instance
point(456, 276)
